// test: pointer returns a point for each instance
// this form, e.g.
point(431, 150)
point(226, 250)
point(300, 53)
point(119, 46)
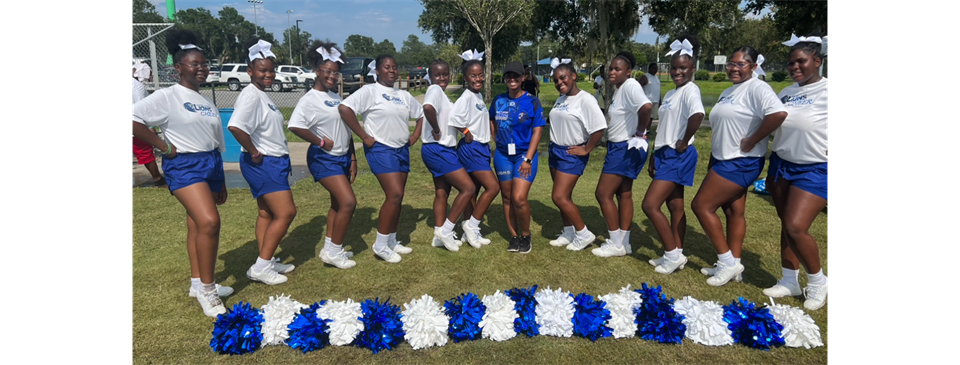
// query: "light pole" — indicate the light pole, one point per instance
point(298, 42)
point(289, 43)
point(255, 2)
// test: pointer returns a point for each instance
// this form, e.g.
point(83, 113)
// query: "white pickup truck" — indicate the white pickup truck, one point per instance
point(304, 76)
point(235, 74)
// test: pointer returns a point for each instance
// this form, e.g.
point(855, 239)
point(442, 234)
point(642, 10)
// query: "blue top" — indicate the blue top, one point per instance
point(515, 120)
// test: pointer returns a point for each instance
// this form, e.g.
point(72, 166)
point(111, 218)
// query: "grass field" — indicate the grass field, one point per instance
point(169, 327)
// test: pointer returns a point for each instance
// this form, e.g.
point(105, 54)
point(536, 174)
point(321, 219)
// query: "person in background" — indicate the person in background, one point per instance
point(530, 83)
point(598, 92)
point(141, 149)
point(651, 87)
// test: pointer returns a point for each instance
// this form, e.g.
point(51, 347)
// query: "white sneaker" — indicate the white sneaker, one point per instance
point(269, 276)
point(668, 267)
point(816, 296)
point(399, 248)
point(781, 290)
point(724, 274)
point(445, 241)
point(609, 249)
point(221, 291)
point(579, 244)
point(281, 268)
point(562, 240)
point(627, 248)
point(657, 261)
point(388, 255)
point(472, 235)
point(436, 243)
point(710, 271)
point(211, 304)
point(338, 259)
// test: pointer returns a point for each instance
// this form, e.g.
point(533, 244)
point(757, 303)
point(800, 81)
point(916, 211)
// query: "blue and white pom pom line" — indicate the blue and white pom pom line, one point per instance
point(423, 323)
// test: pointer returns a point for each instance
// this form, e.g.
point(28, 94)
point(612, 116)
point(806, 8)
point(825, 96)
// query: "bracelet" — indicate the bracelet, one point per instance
point(168, 148)
point(255, 156)
point(322, 142)
point(466, 130)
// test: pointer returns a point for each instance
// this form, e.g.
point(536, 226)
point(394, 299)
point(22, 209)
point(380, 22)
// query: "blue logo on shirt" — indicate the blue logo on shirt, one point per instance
point(479, 107)
point(561, 107)
point(796, 100)
point(204, 110)
point(331, 103)
point(725, 100)
point(273, 107)
point(666, 104)
point(394, 99)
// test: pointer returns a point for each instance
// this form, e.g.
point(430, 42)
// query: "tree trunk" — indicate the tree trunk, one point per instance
point(487, 73)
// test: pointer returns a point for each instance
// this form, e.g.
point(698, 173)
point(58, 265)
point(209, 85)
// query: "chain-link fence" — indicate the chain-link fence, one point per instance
point(149, 47)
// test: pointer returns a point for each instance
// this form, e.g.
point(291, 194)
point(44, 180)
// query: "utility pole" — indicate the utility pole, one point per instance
point(298, 43)
point(289, 43)
point(256, 26)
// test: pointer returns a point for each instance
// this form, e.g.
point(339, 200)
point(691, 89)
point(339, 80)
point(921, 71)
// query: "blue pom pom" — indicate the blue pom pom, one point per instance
point(307, 331)
point(466, 312)
point(752, 326)
point(656, 319)
point(237, 331)
point(590, 318)
point(526, 307)
point(760, 187)
point(382, 328)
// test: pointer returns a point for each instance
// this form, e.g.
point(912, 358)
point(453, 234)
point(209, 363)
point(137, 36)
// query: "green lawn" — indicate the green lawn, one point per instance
point(169, 327)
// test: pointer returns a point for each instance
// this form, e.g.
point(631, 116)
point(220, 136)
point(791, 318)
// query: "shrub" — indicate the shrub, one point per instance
point(497, 78)
point(701, 75)
point(583, 77)
point(459, 79)
point(779, 76)
point(719, 77)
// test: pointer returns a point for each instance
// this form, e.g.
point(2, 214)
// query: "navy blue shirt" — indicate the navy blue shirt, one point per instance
point(515, 120)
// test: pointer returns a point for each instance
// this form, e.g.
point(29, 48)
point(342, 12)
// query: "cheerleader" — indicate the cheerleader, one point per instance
point(330, 157)
point(469, 116)
point(440, 156)
point(518, 124)
point(743, 119)
point(576, 127)
point(386, 145)
point(191, 160)
point(797, 178)
point(629, 112)
point(674, 160)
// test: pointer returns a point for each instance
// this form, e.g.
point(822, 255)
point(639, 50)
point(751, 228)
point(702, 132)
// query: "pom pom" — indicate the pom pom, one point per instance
point(308, 331)
point(497, 322)
point(760, 187)
point(526, 307)
point(798, 328)
point(656, 319)
point(466, 312)
point(345, 321)
point(752, 326)
point(424, 323)
point(704, 321)
point(237, 331)
point(277, 315)
point(590, 318)
point(555, 312)
point(383, 329)
point(622, 306)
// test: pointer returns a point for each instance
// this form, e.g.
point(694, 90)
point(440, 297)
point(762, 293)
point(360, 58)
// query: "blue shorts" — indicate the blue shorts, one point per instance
point(622, 161)
point(322, 164)
point(742, 171)
point(186, 169)
point(675, 167)
point(564, 162)
point(474, 156)
point(508, 167)
point(384, 159)
point(439, 159)
point(811, 178)
point(270, 175)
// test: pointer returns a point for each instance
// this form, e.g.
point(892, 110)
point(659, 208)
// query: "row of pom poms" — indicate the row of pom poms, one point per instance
point(424, 323)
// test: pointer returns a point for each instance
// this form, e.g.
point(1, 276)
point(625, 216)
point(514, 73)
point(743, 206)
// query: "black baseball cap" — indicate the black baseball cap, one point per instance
point(515, 67)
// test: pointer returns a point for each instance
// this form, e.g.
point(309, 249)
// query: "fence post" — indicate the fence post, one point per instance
point(153, 58)
point(213, 91)
point(341, 86)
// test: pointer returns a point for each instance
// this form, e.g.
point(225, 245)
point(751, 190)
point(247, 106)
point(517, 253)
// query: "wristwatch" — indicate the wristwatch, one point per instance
point(527, 160)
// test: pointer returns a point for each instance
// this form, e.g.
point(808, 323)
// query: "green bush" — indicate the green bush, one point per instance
point(701, 75)
point(595, 74)
point(459, 79)
point(583, 77)
point(779, 76)
point(497, 78)
point(719, 77)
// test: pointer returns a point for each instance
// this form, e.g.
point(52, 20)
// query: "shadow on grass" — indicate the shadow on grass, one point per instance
point(409, 217)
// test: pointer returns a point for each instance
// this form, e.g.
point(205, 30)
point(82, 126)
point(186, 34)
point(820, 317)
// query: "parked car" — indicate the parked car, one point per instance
point(417, 72)
point(214, 75)
point(235, 74)
point(354, 72)
point(303, 75)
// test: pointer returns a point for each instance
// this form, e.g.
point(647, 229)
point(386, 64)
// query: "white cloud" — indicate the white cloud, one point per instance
point(376, 15)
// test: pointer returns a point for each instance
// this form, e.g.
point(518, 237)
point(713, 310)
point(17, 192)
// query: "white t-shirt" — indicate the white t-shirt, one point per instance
point(441, 103)
point(802, 138)
point(189, 120)
point(257, 115)
point(470, 112)
point(622, 111)
point(677, 108)
point(386, 112)
point(738, 113)
point(139, 91)
point(652, 88)
point(574, 118)
point(317, 111)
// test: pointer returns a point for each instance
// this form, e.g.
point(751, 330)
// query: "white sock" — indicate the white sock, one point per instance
point(680, 249)
point(206, 288)
point(568, 230)
point(448, 227)
point(790, 276)
point(329, 246)
point(817, 279)
point(727, 259)
point(195, 283)
point(380, 244)
point(473, 223)
point(392, 238)
point(261, 264)
point(615, 237)
point(672, 255)
point(625, 237)
point(583, 233)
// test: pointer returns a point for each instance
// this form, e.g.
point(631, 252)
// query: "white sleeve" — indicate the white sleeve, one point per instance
point(458, 114)
point(433, 96)
point(245, 113)
point(153, 110)
point(138, 92)
point(766, 101)
point(416, 110)
point(692, 104)
point(298, 119)
point(635, 97)
point(593, 119)
point(362, 100)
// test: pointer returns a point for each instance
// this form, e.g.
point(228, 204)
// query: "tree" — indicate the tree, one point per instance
point(800, 17)
point(200, 20)
point(385, 47)
point(712, 21)
point(145, 12)
point(487, 18)
point(359, 46)
point(415, 53)
point(236, 30)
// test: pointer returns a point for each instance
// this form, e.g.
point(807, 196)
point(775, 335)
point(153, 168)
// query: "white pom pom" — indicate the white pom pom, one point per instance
point(345, 321)
point(277, 315)
point(799, 329)
point(623, 321)
point(704, 321)
point(497, 322)
point(424, 323)
point(555, 312)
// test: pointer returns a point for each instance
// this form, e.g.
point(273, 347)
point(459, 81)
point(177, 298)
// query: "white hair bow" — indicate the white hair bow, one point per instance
point(142, 71)
point(685, 48)
point(427, 77)
point(189, 46)
point(373, 69)
point(260, 50)
point(333, 54)
point(556, 62)
point(471, 55)
point(794, 40)
point(759, 71)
